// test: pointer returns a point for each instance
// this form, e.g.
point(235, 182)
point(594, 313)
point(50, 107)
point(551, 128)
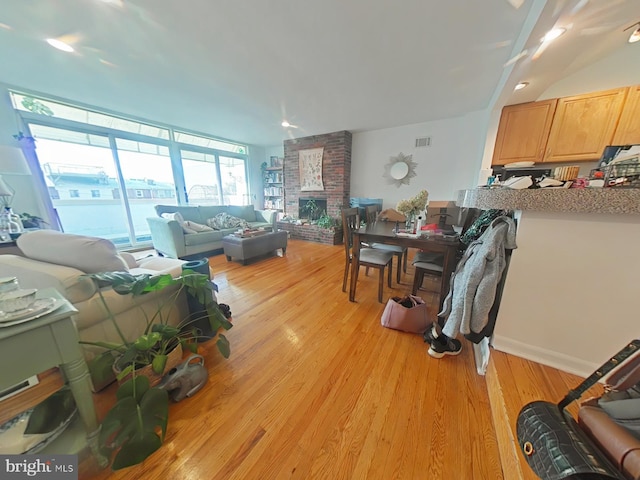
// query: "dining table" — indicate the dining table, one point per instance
point(427, 241)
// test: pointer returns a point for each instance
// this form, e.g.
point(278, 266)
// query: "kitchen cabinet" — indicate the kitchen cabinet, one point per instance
point(523, 132)
point(628, 131)
point(583, 125)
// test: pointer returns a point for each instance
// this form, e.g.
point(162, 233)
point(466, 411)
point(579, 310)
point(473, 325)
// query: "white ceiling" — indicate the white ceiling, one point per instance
point(236, 69)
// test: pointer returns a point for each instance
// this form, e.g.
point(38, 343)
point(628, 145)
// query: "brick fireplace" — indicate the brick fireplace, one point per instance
point(336, 177)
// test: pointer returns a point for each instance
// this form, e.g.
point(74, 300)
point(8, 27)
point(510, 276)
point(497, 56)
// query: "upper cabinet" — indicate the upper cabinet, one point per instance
point(569, 129)
point(628, 131)
point(523, 132)
point(583, 125)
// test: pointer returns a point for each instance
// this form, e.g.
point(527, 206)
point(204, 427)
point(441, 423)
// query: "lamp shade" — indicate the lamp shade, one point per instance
point(12, 161)
point(5, 190)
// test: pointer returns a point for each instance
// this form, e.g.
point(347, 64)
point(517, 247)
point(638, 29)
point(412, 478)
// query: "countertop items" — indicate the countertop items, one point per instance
point(582, 200)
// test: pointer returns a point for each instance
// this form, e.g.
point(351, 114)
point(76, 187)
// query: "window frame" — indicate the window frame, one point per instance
point(27, 118)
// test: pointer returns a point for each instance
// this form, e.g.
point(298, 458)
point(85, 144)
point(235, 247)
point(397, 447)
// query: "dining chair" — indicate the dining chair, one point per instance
point(431, 263)
point(426, 263)
point(369, 257)
point(371, 214)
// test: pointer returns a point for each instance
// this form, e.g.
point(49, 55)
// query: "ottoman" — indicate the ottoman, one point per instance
point(249, 247)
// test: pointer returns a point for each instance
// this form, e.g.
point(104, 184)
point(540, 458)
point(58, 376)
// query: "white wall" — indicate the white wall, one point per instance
point(619, 69)
point(451, 163)
point(570, 299)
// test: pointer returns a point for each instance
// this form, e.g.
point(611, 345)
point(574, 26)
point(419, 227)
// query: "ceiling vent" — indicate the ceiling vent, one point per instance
point(423, 142)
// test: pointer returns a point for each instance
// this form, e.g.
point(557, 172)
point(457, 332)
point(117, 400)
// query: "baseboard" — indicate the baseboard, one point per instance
point(550, 358)
point(507, 442)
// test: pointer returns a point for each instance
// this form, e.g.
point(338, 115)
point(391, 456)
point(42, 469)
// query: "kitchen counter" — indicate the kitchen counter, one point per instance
point(570, 296)
point(574, 200)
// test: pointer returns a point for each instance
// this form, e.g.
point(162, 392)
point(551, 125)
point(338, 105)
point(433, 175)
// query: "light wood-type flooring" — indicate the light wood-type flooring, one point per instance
point(315, 388)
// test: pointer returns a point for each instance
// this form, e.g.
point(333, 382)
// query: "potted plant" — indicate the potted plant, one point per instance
point(31, 221)
point(326, 221)
point(154, 346)
point(136, 425)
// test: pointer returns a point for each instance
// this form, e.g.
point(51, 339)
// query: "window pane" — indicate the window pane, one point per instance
point(50, 108)
point(82, 184)
point(234, 181)
point(208, 142)
point(148, 178)
point(200, 178)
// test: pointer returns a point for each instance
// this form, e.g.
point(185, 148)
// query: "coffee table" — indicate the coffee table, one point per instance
point(246, 248)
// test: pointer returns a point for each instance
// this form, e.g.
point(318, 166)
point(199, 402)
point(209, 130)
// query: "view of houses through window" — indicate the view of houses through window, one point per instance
point(104, 175)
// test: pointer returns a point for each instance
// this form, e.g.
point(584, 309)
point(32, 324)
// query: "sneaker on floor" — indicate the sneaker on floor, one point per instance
point(430, 334)
point(438, 349)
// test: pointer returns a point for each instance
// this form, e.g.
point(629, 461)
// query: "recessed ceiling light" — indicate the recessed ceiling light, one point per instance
point(286, 124)
point(60, 45)
point(521, 85)
point(552, 34)
point(635, 36)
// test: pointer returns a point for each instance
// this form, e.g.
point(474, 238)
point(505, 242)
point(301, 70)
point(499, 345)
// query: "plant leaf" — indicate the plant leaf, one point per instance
point(141, 384)
point(136, 450)
point(158, 363)
point(49, 414)
point(166, 331)
point(131, 426)
point(146, 342)
point(223, 346)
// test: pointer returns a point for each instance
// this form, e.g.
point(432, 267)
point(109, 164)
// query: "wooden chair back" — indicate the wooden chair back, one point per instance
point(370, 213)
point(350, 222)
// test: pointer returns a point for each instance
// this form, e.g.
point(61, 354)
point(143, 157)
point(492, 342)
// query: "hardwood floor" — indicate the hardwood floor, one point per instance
point(315, 388)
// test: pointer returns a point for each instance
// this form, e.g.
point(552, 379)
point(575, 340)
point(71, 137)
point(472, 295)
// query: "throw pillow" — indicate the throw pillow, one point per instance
point(224, 221)
point(196, 227)
point(177, 216)
point(89, 254)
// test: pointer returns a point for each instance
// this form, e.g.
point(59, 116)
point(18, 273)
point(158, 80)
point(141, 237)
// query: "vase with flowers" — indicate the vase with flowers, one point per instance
point(412, 207)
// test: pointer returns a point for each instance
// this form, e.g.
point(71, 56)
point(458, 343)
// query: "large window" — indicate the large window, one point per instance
point(201, 178)
point(104, 174)
point(76, 166)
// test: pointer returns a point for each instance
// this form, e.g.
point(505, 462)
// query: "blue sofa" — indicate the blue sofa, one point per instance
point(170, 240)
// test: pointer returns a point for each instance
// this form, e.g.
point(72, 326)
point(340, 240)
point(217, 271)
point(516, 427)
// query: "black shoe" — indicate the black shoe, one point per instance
point(439, 349)
point(430, 334)
point(226, 311)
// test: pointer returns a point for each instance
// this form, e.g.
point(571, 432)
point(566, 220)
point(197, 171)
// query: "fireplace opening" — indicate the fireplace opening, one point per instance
point(311, 208)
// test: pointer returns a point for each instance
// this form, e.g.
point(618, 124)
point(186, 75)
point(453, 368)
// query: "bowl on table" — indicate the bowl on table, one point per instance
point(17, 300)
point(8, 284)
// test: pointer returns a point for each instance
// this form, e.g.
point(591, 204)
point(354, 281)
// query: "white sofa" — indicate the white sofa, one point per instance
point(59, 260)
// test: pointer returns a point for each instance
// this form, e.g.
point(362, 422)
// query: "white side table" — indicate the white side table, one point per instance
point(49, 341)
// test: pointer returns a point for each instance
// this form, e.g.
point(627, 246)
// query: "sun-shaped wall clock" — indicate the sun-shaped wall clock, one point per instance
point(400, 169)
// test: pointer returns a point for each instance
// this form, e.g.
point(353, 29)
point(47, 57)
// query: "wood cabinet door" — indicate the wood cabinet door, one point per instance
point(523, 132)
point(583, 125)
point(628, 131)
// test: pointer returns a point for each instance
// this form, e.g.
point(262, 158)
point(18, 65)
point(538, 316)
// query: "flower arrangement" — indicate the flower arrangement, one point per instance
point(413, 206)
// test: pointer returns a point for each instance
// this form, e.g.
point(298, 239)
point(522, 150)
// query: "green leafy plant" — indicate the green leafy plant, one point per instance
point(136, 425)
point(159, 338)
point(312, 208)
point(326, 221)
point(31, 221)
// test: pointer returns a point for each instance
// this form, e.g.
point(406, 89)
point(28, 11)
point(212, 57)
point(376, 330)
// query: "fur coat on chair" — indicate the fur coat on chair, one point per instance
point(475, 280)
